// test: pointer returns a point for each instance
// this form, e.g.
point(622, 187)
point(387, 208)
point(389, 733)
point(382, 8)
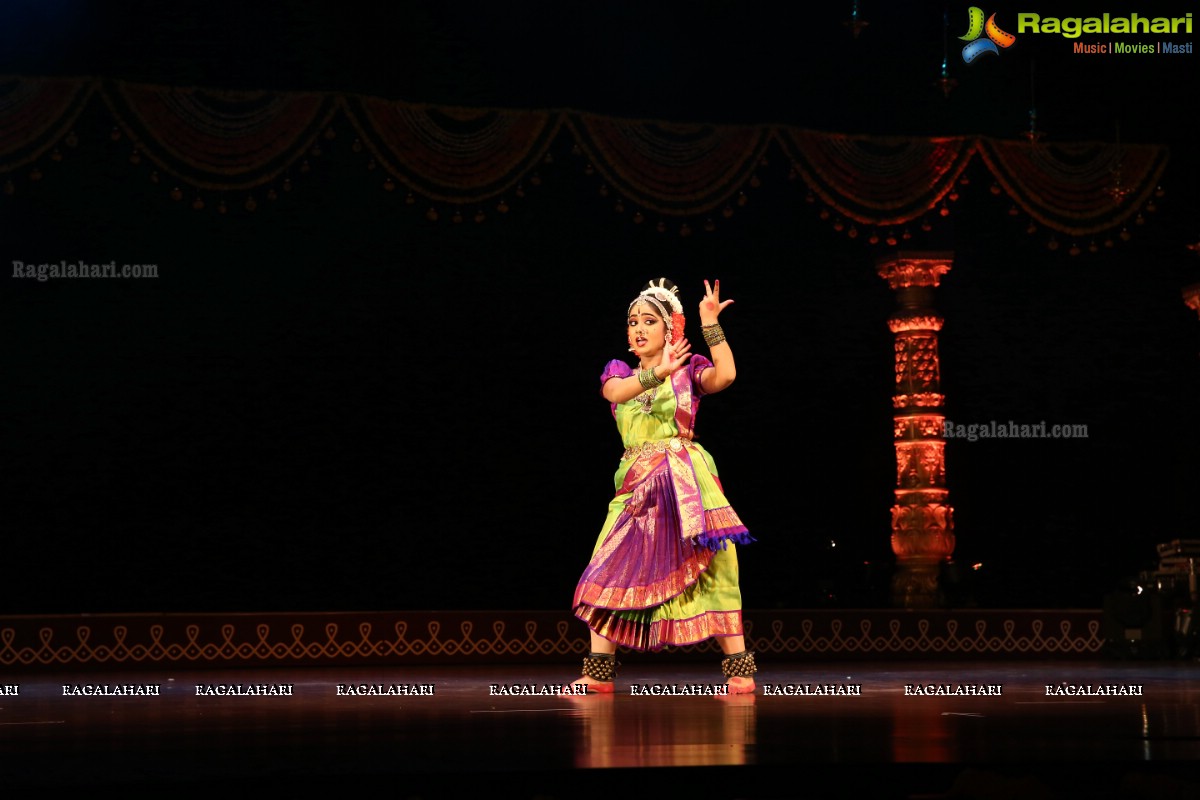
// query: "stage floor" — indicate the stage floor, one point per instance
point(811, 730)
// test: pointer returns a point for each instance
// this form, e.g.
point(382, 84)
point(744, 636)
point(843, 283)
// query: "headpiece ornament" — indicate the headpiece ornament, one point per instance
point(665, 299)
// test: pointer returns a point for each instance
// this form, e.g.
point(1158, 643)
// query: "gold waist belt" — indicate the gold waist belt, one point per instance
point(674, 444)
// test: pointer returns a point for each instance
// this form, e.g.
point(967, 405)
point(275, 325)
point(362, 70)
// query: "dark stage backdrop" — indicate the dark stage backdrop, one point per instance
point(333, 404)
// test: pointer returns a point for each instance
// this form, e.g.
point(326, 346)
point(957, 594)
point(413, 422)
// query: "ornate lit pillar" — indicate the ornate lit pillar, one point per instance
point(1191, 296)
point(922, 519)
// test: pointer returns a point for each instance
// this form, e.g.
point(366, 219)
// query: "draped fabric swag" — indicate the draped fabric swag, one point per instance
point(241, 141)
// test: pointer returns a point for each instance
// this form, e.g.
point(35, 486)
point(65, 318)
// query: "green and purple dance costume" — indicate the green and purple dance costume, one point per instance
point(664, 570)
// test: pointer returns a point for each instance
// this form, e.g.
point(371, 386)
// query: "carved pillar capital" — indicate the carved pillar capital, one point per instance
point(907, 270)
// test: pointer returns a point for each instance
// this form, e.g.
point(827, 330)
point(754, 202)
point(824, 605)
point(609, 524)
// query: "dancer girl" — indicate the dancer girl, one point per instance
point(664, 569)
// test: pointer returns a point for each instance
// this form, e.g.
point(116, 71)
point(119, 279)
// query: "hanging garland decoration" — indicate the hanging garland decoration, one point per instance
point(1076, 188)
point(877, 180)
point(226, 140)
point(453, 155)
point(219, 140)
point(36, 114)
point(670, 168)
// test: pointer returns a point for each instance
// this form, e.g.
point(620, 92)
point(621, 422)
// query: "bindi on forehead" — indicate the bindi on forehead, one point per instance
point(643, 310)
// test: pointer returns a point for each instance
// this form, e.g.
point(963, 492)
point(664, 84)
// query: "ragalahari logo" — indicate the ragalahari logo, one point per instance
point(976, 46)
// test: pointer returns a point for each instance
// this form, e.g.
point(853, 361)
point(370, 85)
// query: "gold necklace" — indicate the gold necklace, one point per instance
point(646, 399)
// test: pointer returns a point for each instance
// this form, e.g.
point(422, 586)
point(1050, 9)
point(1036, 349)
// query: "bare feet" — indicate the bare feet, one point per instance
point(740, 685)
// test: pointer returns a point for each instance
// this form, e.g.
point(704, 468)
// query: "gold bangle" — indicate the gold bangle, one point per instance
point(713, 334)
point(649, 379)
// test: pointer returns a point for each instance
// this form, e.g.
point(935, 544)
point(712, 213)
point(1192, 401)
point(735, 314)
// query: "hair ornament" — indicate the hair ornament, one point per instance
point(664, 296)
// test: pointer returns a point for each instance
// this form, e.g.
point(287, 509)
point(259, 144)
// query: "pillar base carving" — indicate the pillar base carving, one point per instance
point(915, 585)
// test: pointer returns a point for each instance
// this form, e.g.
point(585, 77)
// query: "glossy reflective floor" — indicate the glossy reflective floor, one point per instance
point(461, 740)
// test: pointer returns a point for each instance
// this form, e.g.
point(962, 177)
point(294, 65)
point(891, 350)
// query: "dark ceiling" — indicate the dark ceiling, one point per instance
point(717, 61)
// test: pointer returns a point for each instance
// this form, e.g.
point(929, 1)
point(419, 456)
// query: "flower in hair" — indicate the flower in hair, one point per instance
point(677, 322)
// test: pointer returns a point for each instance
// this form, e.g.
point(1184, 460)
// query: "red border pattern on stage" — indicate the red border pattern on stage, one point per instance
point(124, 641)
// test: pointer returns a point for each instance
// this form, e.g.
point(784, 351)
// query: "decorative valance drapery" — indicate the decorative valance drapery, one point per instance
point(244, 141)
